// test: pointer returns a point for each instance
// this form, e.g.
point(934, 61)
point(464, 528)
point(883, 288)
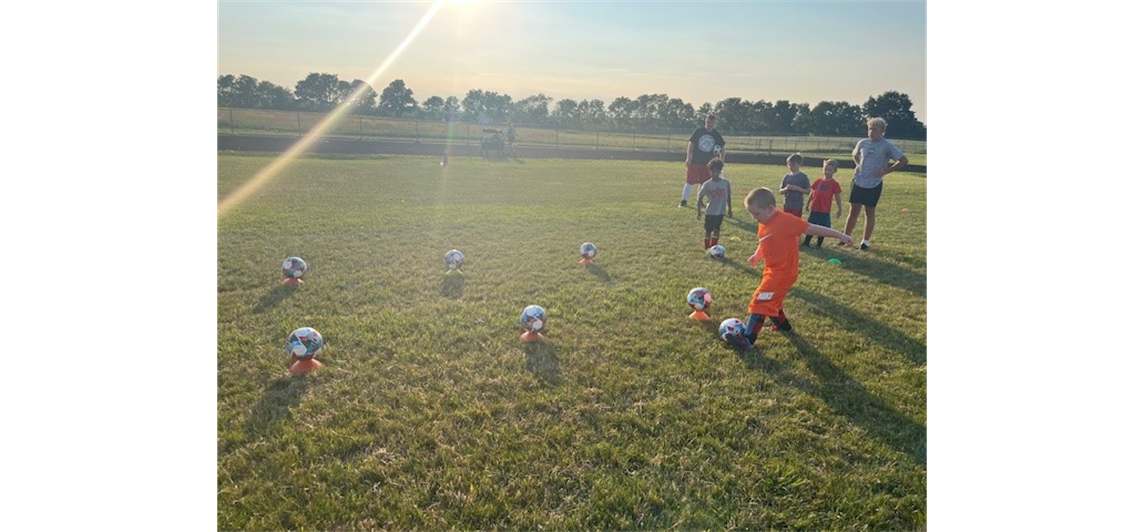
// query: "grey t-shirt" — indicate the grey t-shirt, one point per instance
point(717, 192)
point(870, 156)
point(793, 198)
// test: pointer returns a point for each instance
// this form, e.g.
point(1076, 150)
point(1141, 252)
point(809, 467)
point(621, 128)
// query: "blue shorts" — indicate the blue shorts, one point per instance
point(819, 218)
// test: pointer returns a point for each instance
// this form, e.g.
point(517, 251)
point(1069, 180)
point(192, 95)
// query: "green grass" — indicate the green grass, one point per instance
point(431, 414)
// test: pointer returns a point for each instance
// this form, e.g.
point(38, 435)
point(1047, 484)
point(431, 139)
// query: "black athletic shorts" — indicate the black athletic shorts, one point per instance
point(865, 196)
point(712, 223)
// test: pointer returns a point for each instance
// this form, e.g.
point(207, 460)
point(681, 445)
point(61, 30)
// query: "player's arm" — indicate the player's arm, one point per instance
point(818, 230)
point(729, 201)
point(838, 200)
point(689, 146)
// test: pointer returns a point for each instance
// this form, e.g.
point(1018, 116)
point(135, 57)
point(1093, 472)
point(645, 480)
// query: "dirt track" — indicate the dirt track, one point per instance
point(361, 147)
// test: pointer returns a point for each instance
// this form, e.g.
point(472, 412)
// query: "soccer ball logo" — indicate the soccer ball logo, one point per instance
point(732, 327)
point(454, 259)
point(717, 251)
point(304, 342)
point(294, 268)
point(699, 298)
point(588, 250)
point(533, 318)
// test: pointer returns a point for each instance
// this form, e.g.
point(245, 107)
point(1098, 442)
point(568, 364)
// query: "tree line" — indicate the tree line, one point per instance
point(321, 92)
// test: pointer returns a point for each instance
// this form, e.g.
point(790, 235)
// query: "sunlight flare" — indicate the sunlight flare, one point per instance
point(266, 174)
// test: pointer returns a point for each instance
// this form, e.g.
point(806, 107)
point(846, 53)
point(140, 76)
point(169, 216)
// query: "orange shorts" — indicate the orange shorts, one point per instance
point(697, 174)
point(769, 296)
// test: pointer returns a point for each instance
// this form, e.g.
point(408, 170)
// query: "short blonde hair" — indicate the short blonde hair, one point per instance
point(830, 162)
point(877, 122)
point(761, 198)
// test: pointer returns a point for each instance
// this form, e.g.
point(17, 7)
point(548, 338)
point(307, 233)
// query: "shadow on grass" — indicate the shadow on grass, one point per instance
point(599, 272)
point(865, 263)
point(273, 409)
point(272, 298)
point(748, 224)
point(847, 397)
point(858, 323)
point(742, 267)
point(540, 359)
point(453, 285)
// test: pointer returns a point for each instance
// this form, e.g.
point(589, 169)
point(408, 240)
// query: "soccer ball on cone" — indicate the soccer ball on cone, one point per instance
point(534, 318)
point(304, 343)
point(454, 259)
point(294, 268)
point(699, 299)
point(588, 250)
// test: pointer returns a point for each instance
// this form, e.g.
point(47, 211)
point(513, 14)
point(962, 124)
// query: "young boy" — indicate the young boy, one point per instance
point(718, 191)
point(872, 157)
point(778, 249)
point(794, 185)
point(821, 192)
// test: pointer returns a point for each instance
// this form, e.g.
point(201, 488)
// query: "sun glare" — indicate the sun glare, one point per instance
point(266, 174)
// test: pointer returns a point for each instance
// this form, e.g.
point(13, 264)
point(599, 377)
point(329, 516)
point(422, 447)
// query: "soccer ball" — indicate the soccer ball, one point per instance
point(699, 298)
point(533, 318)
point(294, 268)
point(454, 259)
point(732, 327)
point(304, 342)
point(717, 251)
point(588, 250)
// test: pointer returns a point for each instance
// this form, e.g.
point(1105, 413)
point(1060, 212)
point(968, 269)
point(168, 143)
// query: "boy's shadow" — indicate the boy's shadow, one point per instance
point(743, 268)
point(273, 410)
point(881, 271)
point(540, 359)
point(857, 323)
point(599, 272)
point(849, 398)
point(751, 226)
point(453, 286)
point(272, 298)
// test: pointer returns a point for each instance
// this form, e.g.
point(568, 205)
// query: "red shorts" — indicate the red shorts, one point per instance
point(697, 174)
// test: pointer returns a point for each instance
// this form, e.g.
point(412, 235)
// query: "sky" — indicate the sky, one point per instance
point(700, 52)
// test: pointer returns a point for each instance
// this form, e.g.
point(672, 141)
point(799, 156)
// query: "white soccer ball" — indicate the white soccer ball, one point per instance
point(588, 250)
point(717, 251)
point(454, 259)
point(699, 298)
point(732, 327)
point(294, 268)
point(304, 342)
point(534, 318)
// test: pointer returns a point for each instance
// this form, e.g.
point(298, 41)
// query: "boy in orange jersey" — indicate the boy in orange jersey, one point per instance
point(778, 248)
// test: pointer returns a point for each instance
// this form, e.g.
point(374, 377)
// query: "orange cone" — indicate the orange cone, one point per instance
point(586, 260)
point(700, 315)
point(530, 336)
point(305, 365)
point(292, 280)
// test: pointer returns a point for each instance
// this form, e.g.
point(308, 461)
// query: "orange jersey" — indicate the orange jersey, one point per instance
point(778, 244)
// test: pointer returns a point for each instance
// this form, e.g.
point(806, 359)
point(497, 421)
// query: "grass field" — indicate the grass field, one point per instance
point(431, 414)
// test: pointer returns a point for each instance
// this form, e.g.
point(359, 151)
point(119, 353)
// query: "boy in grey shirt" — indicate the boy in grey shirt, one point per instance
point(718, 192)
point(794, 185)
point(872, 158)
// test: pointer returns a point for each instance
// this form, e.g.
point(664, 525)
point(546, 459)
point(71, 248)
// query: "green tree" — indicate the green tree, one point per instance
point(317, 92)
point(364, 97)
point(433, 107)
point(566, 113)
point(622, 111)
point(396, 99)
point(271, 96)
point(532, 110)
point(897, 109)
